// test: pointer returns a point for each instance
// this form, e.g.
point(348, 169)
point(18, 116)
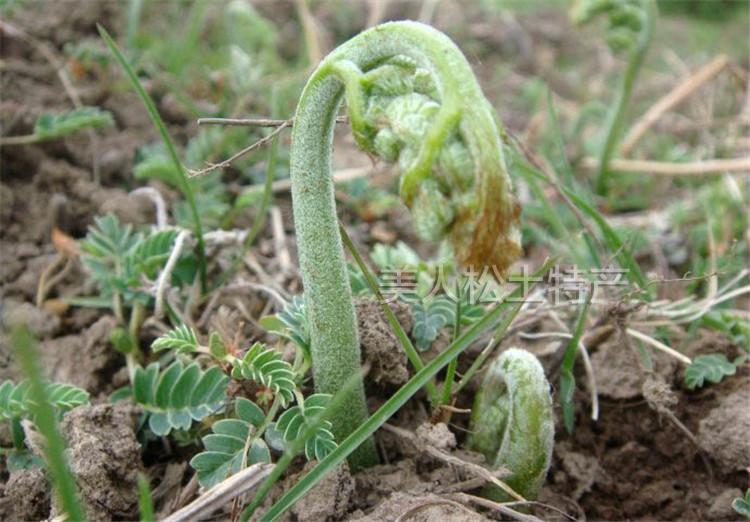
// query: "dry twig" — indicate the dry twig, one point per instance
point(216, 497)
point(227, 162)
point(500, 508)
point(696, 168)
point(683, 90)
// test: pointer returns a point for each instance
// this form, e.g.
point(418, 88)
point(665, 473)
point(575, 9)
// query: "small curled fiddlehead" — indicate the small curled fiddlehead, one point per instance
point(628, 21)
point(512, 422)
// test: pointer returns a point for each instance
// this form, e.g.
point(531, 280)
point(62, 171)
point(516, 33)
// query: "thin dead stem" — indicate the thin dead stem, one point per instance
point(227, 162)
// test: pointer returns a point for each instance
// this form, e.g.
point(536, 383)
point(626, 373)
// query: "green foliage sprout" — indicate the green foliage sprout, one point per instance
point(512, 421)
point(50, 126)
point(631, 27)
point(177, 396)
point(16, 400)
point(412, 99)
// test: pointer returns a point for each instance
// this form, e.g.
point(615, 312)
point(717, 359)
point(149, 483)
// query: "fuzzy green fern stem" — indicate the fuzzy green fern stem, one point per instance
point(412, 100)
point(631, 27)
point(512, 422)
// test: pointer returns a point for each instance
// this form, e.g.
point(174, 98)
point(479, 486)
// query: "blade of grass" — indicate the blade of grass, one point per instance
point(134, 18)
point(145, 502)
point(298, 445)
point(500, 331)
point(391, 406)
point(567, 379)
point(46, 422)
point(611, 239)
point(258, 222)
point(181, 181)
point(554, 124)
point(568, 180)
point(398, 330)
point(450, 373)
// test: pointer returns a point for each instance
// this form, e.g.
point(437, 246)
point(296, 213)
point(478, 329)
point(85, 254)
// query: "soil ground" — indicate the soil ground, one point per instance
point(633, 463)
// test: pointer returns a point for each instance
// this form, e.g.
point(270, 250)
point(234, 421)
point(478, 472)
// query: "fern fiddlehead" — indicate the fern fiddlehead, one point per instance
point(512, 422)
point(631, 26)
point(413, 100)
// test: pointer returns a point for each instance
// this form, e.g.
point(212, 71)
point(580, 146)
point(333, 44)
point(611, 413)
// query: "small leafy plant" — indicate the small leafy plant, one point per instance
point(710, 368)
point(18, 403)
point(179, 395)
point(742, 505)
point(631, 26)
point(50, 126)
point(234, 443)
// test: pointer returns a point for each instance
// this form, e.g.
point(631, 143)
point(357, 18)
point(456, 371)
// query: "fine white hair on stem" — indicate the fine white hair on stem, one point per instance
point(158, 200)
point(166, 274)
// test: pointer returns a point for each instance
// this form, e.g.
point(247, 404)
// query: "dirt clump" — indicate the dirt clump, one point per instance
point(27, 496)
point(105, 458)
point(328, 500)
point(438, 436)
point(721, 508)
point(41, 323)
point(380, 348)
point(618, 372)
point(725, 433)
point(419, 508)
point(86, 360)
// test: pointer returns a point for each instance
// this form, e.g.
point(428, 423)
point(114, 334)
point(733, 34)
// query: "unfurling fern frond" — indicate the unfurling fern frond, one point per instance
point(182, 339)
point(16, 403)
point(626, 19)
point(293, 423)
point(265, 366)
point(512, 422)
point(232, 446)
point(179, 395)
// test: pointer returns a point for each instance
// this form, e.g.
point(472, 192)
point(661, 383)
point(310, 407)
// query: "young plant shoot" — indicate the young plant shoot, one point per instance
point(512, 423)
point(412, 100)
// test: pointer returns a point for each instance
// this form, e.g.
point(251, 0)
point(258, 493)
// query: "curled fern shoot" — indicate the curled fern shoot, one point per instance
point(413, 100)
point(512, 422)
point(630, 29)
